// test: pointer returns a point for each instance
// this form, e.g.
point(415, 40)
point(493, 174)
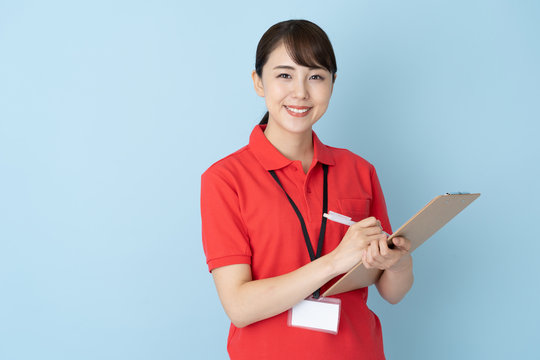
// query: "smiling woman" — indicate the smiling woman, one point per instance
point(296, 96)
point(307, 45)
point(267, 243)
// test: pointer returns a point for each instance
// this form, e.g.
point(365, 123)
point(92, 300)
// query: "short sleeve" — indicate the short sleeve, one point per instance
point(378, 205)
point(224, 234)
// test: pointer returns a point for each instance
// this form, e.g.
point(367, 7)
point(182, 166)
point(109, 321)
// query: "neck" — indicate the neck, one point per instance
point(294, 146)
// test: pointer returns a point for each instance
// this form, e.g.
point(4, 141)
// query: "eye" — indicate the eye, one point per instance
point(284, 76)
point(316, 77)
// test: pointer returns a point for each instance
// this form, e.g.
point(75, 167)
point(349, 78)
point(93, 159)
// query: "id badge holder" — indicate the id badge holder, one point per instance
point(320, 314)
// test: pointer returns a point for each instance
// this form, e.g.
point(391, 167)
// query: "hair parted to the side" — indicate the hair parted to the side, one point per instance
point(307, 44)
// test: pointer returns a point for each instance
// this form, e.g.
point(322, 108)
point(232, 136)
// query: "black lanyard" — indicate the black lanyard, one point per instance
point(312, 255)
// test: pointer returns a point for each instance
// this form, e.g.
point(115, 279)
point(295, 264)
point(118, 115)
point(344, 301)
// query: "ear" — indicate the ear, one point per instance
point(257, 84)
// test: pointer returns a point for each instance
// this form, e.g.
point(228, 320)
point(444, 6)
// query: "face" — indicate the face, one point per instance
point(296, 96)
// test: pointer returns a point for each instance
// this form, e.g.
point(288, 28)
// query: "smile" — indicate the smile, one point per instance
point(297, 110)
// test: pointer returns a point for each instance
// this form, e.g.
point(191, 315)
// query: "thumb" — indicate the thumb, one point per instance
point(401, 243)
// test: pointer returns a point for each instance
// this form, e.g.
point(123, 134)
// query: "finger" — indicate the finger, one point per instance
point(374, 251)
point(367, 261)
point(377, 237)
point(367, 222)
point(383, 247)
point(369, 257)
point(402, 243)
point(364, 259)
point(372, 230)
point(377, 260)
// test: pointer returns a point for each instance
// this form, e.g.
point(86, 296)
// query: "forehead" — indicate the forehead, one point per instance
point(280, 56)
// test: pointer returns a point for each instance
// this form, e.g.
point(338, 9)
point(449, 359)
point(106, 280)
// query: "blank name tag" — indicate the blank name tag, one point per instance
point(320, 314)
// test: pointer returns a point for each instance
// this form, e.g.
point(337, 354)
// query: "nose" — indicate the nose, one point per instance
point(300, 90)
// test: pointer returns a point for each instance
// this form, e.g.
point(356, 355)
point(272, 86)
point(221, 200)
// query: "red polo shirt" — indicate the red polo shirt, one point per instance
point(247, 219)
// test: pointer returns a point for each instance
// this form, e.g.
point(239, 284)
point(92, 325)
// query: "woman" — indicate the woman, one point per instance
point(262, 217)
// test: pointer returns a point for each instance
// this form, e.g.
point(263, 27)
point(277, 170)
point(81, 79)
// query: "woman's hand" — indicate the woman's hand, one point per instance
point(379, 255)
point(397, 278)
point(358, 237)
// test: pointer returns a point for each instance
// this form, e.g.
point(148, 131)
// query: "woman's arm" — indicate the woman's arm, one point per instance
point(394, 284)
point(397, 278)
point(246, 300)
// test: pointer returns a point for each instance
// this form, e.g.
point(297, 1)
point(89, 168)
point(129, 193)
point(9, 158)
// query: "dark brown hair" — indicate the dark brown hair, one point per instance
point(307, 44)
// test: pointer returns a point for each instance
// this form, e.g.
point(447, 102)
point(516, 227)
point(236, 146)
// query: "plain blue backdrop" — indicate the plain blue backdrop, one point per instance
point(111, 110)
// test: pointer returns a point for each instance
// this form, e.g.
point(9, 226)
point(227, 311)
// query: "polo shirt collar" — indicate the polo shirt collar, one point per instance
point(272, 159)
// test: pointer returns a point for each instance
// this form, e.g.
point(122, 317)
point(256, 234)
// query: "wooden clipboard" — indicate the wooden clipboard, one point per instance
point(418, 229)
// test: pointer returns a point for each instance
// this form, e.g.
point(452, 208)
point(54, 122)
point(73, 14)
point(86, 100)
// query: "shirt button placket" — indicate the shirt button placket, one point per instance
point(307, 196)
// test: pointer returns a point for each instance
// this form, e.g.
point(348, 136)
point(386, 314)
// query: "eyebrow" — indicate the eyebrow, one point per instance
point(288, 67)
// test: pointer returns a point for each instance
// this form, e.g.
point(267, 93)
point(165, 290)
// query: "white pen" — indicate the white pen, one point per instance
point(342, 219)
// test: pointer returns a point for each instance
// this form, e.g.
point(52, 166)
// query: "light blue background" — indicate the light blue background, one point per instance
point(110, 111)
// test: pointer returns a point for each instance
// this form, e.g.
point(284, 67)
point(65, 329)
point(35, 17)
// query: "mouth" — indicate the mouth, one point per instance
point(297, 111)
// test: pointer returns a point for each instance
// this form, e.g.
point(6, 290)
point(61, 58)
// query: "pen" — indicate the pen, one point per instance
point(342, 219)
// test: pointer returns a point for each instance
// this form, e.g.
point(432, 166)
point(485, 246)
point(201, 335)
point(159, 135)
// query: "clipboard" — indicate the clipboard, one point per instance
point(437, 213)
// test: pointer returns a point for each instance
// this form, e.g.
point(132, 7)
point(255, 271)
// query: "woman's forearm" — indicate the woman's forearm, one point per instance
point(395, 283)
point(248, 301)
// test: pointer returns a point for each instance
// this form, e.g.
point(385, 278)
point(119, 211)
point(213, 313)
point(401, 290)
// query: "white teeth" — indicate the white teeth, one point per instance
point(299, 111)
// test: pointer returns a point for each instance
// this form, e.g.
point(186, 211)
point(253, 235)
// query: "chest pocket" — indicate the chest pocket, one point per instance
point(357, 209)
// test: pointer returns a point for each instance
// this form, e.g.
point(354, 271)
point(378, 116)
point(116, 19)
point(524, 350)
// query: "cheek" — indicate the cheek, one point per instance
point(322, 94)
point(324, 99)
point(275, 95)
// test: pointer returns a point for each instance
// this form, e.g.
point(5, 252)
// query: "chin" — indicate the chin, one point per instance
point(298, 127)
